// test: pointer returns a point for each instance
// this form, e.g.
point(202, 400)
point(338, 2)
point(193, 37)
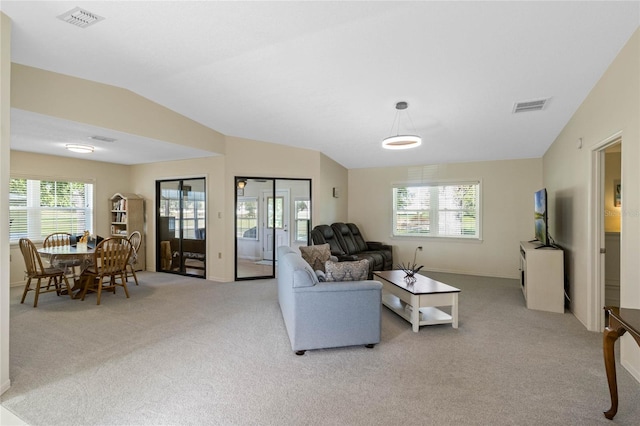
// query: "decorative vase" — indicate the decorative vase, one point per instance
point(410, 270)
point(409, 279)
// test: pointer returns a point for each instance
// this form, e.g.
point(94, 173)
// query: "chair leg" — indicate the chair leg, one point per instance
point(135, 277)
point(26, 290)
point(99, 289)
point(84, 286)
point(66, 282)
point(35, 301)
point(57, 282)
point(124, 284)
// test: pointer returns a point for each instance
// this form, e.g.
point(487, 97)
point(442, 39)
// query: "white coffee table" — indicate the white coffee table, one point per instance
point(418, 302)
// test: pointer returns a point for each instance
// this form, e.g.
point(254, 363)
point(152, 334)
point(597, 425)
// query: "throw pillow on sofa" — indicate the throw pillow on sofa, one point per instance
point(316, 256)
point(347, 271)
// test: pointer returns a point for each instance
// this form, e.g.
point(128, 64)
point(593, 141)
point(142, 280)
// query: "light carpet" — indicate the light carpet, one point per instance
point(186, 351)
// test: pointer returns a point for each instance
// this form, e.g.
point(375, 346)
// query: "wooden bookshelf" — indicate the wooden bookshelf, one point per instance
point(127, 216)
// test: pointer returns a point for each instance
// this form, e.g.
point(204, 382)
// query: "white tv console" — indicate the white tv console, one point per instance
point(542, 277)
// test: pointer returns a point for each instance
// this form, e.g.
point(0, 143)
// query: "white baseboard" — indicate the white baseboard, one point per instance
point(478, 274)
point(5, 387)
point(8, 418)
point(635, 373)
point(630, 355)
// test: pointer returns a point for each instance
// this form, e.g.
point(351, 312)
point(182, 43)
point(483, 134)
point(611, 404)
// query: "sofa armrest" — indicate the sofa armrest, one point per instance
point(347, 258)
point(340, 286)
point(377, 245)
point(374, 245)
point(334, 314)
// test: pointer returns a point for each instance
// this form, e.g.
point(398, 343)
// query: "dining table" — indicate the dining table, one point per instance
point(79, 254)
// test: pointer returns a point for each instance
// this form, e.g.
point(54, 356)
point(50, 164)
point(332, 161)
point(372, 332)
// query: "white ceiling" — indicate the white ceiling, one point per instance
point(327, 75)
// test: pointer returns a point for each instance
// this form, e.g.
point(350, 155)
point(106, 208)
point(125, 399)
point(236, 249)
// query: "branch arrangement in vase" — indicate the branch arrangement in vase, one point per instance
point(410, 269)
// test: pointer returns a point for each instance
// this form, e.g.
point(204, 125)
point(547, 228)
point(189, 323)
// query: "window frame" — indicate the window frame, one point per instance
point(434, 212)
point(243, 199)
point(33, 181)
point(297, 221)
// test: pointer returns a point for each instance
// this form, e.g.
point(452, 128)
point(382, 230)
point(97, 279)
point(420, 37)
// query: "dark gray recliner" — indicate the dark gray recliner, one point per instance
point(372, 246)
point(324, 234)
point(380, 256)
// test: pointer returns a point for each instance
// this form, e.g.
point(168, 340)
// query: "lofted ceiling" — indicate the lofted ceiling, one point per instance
point(326, 75)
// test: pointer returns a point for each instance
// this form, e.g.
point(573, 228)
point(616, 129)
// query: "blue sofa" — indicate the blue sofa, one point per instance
point(325, 314)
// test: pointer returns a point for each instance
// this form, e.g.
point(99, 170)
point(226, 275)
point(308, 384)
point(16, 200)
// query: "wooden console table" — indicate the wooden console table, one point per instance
point(618, 321)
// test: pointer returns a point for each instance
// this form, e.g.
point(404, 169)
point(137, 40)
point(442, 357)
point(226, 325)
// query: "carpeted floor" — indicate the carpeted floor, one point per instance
point(185, 351)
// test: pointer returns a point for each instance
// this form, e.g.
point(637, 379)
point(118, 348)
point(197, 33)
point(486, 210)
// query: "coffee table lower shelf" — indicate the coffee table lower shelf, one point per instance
point(428, 316)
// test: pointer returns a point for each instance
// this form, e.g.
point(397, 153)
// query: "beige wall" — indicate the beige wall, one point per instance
point(251, 158)
point(108, 179)
point(111, 107)
point(266, 160)
point(143, 181)
point(5, 144)
point(507, 186)
point(244, 158)
point(507, 214)
point(85, 101)
point(331, 209)
point(612, 107)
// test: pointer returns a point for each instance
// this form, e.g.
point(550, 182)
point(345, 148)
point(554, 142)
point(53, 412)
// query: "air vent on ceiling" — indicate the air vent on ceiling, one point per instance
point(80, 17)
point(102, 138)
point(526, 106)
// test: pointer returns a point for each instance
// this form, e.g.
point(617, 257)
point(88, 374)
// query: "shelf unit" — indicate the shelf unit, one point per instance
point(127, 216)
point(542, 277)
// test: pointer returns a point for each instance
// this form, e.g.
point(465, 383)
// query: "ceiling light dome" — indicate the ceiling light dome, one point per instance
point(82, 149)
point(401, 141)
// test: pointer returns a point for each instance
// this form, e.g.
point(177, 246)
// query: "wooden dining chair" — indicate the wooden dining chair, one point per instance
point(135, 239)
point(109, 264)
point(57, 239)
point(36, 270)
point(61, 239)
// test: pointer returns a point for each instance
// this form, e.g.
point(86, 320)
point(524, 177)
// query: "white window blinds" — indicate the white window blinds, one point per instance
point(38, 208)
point(441, 210)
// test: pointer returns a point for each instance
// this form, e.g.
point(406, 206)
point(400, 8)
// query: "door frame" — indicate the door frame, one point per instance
point(180, 180)
point(274, 191)
point(595, 222)
point(286, 194)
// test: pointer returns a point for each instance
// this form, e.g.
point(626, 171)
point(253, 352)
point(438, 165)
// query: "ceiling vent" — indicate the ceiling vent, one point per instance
point(80, 17)
point(536, 105)
point(102, 139)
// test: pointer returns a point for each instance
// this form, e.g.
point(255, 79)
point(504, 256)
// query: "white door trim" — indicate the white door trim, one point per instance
point(281, 235)
point(595, 223)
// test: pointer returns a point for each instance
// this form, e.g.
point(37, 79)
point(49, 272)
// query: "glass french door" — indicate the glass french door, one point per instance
point(181, 243)
point(269, 213)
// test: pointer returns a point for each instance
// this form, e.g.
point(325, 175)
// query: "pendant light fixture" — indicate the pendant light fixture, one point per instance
point(401, 141)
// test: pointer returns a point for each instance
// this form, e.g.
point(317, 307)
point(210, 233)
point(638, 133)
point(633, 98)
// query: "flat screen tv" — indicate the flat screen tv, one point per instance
point(540, 217)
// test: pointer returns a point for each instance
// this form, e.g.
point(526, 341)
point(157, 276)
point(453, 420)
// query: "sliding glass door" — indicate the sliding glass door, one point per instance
point(269, 213)
point(181, 244)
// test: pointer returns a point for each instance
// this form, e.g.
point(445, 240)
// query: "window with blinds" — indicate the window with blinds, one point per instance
point(443, 210)
point(302, 208)
point(247, 218)
point(38, 208)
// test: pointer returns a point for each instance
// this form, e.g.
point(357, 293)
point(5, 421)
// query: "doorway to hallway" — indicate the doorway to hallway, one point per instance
point(607, 195)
